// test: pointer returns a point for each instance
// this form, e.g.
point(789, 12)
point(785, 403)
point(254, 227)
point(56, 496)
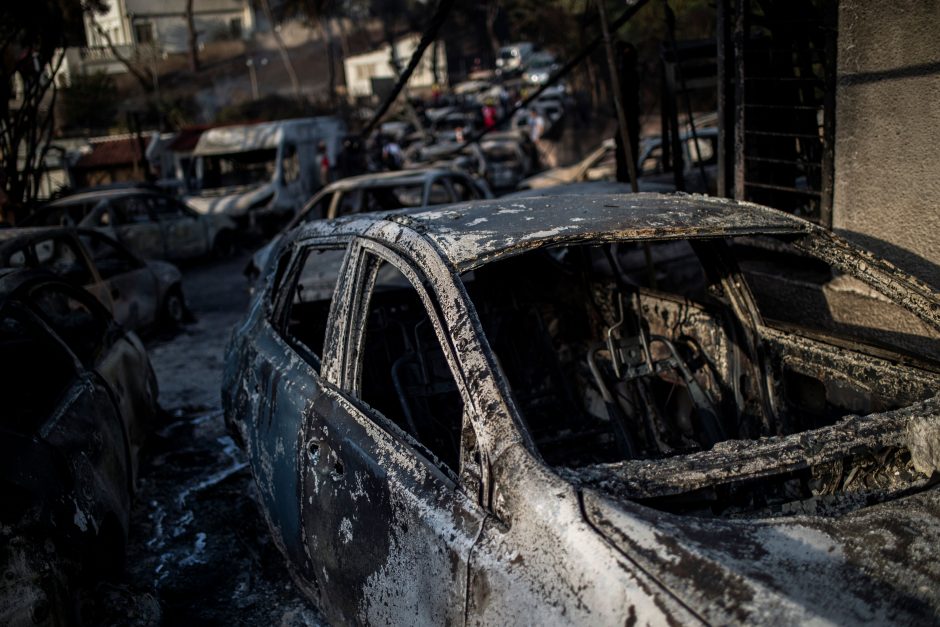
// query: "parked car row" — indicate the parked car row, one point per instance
point(138, 293)
point(699, 154)
point(152, 224)
point(79, 398)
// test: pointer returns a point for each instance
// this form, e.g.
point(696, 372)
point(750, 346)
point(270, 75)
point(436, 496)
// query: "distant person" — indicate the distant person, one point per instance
point(489, 115)
point(536, 134)
point(392, 155)
point(324, 164)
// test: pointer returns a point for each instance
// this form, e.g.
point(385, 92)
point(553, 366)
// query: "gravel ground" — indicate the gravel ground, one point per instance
point(199, 551)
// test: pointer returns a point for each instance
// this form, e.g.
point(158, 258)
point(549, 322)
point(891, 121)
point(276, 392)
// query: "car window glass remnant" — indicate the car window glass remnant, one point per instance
point(82, 327)
point(310, 300)
point(17, 259)
point(107, 257)
point(35, 373)
point(405, 375)
point(61, 256)
point(792, 288)
point(290, 163)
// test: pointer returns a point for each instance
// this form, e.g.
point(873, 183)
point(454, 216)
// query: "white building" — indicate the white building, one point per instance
point(364, 70)
point(161, 24)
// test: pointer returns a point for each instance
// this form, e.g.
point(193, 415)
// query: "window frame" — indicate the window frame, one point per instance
point(282, 290)
point(95, 308)
point(138, 263)
point(358, 283)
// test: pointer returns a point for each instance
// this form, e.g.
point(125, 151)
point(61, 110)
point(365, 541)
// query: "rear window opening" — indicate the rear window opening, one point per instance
point(625, 357)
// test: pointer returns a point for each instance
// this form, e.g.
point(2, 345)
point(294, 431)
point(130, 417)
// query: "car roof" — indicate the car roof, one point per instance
point(98, 195)
point(470, 234)
point(399, 177)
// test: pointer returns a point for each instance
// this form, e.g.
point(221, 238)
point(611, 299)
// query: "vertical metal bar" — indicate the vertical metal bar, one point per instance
point(665, 142)
point(827, 164)
point(725, 120)
point(671, 34)
point(618, 105)
point(740, 36)
point(678, 156)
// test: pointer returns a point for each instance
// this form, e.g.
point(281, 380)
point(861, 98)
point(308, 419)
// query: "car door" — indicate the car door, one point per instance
point(282, 360)
point(124, 280)
point(136, 227)
point(185, 233)
point(61, 255)
point(101, 346)
point(388, 521)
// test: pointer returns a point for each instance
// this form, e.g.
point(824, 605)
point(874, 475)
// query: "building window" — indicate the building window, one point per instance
point(143, 33)
point(235, 27)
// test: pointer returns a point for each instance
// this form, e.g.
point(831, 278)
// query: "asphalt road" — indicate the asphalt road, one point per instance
point(199, 551)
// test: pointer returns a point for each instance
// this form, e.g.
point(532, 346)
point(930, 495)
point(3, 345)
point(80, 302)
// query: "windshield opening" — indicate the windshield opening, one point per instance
point(627, 357)
point(239, 169)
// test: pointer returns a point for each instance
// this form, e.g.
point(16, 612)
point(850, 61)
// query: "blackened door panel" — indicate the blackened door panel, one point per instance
point(388, 532)
point(279, 388)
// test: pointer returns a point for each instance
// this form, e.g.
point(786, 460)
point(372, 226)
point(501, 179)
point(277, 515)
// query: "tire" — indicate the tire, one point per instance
point(175, 312)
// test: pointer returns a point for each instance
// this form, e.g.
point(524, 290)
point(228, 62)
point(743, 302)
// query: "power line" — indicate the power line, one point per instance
point(443, 9)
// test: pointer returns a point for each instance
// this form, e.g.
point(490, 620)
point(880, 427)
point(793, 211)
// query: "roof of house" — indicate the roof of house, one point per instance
point(113, 152)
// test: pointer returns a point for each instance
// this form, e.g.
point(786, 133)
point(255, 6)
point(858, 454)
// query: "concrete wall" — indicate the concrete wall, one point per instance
point(887, 148)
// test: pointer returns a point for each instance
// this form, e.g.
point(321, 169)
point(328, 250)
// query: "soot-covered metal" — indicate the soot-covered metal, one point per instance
point(600, 409)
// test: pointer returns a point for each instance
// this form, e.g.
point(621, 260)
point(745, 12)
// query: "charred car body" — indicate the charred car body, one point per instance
point(138, 293)
point(385, 191)
point(79, 397)
point(593, 409)
point(152, 224)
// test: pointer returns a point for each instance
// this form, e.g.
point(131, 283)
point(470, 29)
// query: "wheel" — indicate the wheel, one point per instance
point(174, 307)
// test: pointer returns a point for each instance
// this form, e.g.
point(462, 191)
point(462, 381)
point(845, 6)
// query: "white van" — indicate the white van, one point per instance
point(259, 173)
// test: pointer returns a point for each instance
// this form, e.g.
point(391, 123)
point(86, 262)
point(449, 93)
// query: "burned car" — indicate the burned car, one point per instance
point(593, 410)
point(152, 224)
point(138, 293)
point(383, 191)
point(79, 397)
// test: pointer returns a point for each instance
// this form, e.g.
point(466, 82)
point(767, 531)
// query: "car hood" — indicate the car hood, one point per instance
point(876, 565)
point(233, 202)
